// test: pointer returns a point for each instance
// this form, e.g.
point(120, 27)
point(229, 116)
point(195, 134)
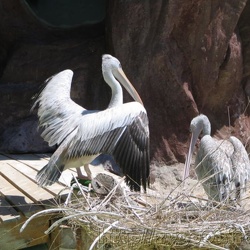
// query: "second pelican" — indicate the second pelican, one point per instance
point(222, 165)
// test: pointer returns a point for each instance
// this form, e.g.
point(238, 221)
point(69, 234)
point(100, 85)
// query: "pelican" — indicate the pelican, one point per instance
point(81, 135)
point(222, 165)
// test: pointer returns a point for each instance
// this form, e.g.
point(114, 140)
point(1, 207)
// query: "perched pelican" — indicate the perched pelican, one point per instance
point(81, 135)
point(222, 165)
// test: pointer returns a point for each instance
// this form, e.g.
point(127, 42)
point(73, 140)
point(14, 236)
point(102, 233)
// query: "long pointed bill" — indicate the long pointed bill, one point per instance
point(127, 85)
point(194, 138)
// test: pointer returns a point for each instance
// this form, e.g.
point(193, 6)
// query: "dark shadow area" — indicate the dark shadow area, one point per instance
point(38, 247)
point(67, 13)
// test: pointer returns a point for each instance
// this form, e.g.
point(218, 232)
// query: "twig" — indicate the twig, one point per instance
point(100, 236)
point(69, 195)
point(126, 198)
point(196, 242)
point(110, 194)
point(141, 201)
point(82, 192)
point(134, 207)
point(47, 211)
point(169, 195)
point(55, 224)
point(242, 230)
point(202, 243)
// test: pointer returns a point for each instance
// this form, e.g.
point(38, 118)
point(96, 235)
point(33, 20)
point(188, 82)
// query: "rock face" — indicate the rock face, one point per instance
point(30, 52)
point(183, 57)
point(187, 59)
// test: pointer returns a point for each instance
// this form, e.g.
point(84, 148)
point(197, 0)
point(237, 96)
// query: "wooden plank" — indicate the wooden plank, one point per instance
point(30, 172)
point(25, 185)
point(16, 198)
point(31, 160)
point(17, 184)
point(7, 212)
point(37, 163)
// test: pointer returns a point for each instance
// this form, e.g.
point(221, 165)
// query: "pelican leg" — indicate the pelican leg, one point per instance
point(81, 175)
point(88, 172)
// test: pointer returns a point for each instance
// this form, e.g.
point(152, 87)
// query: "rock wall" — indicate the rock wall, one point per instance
point(187, 58)
point(183, 57)
point(30, 52)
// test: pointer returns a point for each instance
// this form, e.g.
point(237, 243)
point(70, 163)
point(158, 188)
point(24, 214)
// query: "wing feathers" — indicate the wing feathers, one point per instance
point(128, 144)
point(121, 131)
point(99, 144)
point(56, 110)
point(132, 153)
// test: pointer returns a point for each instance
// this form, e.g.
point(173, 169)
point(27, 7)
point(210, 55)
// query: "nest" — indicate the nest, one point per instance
point(123, 219)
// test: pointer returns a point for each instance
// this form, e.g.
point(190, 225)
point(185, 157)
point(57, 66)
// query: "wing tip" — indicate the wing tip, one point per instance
point(137, 186)
point(48, 175)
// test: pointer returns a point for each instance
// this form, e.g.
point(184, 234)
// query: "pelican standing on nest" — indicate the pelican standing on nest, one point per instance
point(81, 135)
point(222, 166)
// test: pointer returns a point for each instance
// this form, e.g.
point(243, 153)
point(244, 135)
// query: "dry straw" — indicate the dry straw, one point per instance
point(130, 220)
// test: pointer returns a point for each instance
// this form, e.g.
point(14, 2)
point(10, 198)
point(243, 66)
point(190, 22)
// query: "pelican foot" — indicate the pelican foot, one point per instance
point(83, 177)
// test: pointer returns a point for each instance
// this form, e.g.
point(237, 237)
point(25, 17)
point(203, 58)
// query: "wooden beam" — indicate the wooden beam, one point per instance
point(20, 197)
point(30, 173)
point(37, 163)
point(17, 199)
point(7, 212)
point(25, 185)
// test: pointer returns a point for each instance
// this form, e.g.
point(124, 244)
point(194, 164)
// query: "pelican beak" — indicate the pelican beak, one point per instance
point(194, 138)
point(121, 77)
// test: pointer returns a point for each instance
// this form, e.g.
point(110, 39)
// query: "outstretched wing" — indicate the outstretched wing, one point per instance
point(121, 131)
point(57, 113)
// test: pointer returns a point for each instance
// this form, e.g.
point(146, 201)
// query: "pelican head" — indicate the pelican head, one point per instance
point(111, 68)
point(199, 124)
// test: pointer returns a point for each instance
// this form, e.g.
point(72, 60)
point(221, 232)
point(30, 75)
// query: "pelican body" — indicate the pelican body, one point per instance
point(81, 135)
point(222, 166)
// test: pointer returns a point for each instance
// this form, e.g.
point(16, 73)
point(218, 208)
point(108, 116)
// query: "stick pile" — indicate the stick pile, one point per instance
point(129, 220)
